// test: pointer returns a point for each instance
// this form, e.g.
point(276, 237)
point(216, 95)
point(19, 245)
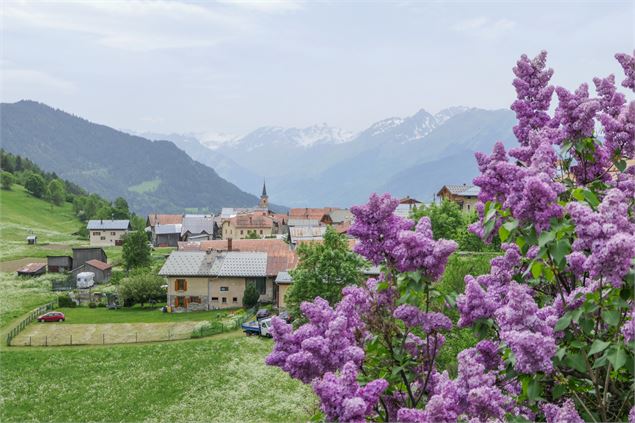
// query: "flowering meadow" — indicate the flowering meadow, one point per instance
point(554, 317)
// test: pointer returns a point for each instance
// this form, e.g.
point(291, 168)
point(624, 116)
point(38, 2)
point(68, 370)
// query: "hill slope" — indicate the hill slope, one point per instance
point(22, 214)
point(150, 175)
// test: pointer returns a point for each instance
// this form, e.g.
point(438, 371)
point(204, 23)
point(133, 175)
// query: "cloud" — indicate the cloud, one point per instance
point(266, 6)
point(133, 25)
point(21, 80)
point(484, 27)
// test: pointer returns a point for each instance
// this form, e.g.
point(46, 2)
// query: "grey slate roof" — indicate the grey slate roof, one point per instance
point(341, 215)
point(463, 190)
point(198, 224)
point(167, 229)
point(226, 264)
point(283, 278)
point(119, 225)
point(303, 222)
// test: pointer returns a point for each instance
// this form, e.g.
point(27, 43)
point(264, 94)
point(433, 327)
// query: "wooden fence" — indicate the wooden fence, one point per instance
point(30, 318)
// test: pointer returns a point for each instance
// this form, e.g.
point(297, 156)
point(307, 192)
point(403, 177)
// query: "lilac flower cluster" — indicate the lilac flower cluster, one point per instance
point(533, 95)
point(607, 236)
point(383, 236)
point(565, 413)
point(628, 64)
point(330, 339)
point(377, 228)
point(628, 330)
point(531, 193)
point(526, 329)
point(477, 394)
point(342, 399)
point(429, 322)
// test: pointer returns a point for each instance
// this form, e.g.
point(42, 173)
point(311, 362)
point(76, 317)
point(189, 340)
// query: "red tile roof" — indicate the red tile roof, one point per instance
point(32, 268)
point(252, 221)
point(97, 264)
point(310, 213)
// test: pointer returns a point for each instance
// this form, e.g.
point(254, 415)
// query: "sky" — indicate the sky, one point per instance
point(233, 66)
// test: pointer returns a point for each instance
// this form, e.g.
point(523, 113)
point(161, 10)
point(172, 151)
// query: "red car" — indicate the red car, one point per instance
point(53, 316)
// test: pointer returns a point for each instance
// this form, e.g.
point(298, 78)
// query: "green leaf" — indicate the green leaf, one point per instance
point(559, 250)
point(621, 165)
point(576, 361)
point(545, 238)
point(611, 317)
point(598, 346)
point(617, 356)
point(591, 198)
point(549, 275)
point(503, 233)
point(534, 390)
point(563, 322)
point(559, 390)
point(536, 269)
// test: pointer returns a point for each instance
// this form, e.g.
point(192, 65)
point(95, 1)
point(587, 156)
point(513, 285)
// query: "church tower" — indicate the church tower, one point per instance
point(264, 198)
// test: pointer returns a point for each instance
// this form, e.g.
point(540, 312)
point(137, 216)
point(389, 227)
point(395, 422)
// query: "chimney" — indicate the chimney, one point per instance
point(209, 258)
point(229, 244)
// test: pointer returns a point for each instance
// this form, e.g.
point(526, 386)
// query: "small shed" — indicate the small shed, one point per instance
point(58, 264)
point(32, 269)
point(83, 254)
point(167, 235)
point(101, 271)
point(31, 239)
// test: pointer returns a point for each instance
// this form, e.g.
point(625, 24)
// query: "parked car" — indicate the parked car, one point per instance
point(263, 313)
point(257, 327)
point(52, 316)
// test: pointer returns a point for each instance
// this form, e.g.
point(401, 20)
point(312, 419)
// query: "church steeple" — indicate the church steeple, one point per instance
point(264, 198)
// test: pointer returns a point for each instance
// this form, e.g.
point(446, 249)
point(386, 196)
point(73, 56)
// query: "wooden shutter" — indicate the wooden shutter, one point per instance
point(176, 284)
point(185, 285)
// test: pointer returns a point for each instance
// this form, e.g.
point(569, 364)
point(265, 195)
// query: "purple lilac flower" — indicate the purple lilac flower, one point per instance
point(611, 101)
point(576, 112)
point(607, 234)
point(341, 397)
point(619, 132)
point(631, 415)
point(564, 414)
point(377, 228)
point(533, 95)
point(628, 64)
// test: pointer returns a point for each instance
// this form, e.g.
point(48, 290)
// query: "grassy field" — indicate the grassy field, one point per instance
point(220, 379)
point(22, 215)
point(20, 295)
point(81, 315)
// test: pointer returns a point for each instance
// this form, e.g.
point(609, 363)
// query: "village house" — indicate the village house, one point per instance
point(167, 235)
point(155, 219)
point(244, 225)
point(282, 284)
point(198, 227)
point(58, 264)
point(107, 232)
point(406, 206)
point(464, 195)
point(206, 280)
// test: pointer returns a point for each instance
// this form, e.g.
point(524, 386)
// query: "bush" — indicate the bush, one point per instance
point(101, 305)
point(142, 288)
point(251, 295)
point(66, 301)
point(92, 305)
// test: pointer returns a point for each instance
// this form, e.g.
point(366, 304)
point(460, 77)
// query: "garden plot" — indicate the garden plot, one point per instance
point(51, 334)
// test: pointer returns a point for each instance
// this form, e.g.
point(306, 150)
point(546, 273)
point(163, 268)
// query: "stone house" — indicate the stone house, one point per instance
point(464, 195)
point(83, 254)
point(59, 264)
point(207, 280)
point(102, 270)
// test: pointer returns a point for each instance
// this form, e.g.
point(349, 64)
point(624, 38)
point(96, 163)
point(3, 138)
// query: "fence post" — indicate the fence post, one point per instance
point(46, 341)
point(136, 337)
point(71, 339)
point(30, 341)
point(103, 339)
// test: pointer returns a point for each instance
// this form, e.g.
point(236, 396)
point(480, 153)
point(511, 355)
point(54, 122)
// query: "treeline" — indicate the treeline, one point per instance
point(50, 187)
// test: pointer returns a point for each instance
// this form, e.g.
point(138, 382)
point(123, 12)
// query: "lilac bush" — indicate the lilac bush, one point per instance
point(554, 317)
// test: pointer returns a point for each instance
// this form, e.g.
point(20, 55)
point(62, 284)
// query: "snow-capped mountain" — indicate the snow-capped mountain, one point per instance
point(268, 136)
point(448, 113)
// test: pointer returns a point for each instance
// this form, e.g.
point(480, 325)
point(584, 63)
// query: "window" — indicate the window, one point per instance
point(224, 300)
point(180, 285)
point(214, 298)
point(112, 233)
point(241, 231)
point(261, 232)
point(103, 238)
point(224, 288)
point(96, 233)
point(196, 300)
point(235, 300)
